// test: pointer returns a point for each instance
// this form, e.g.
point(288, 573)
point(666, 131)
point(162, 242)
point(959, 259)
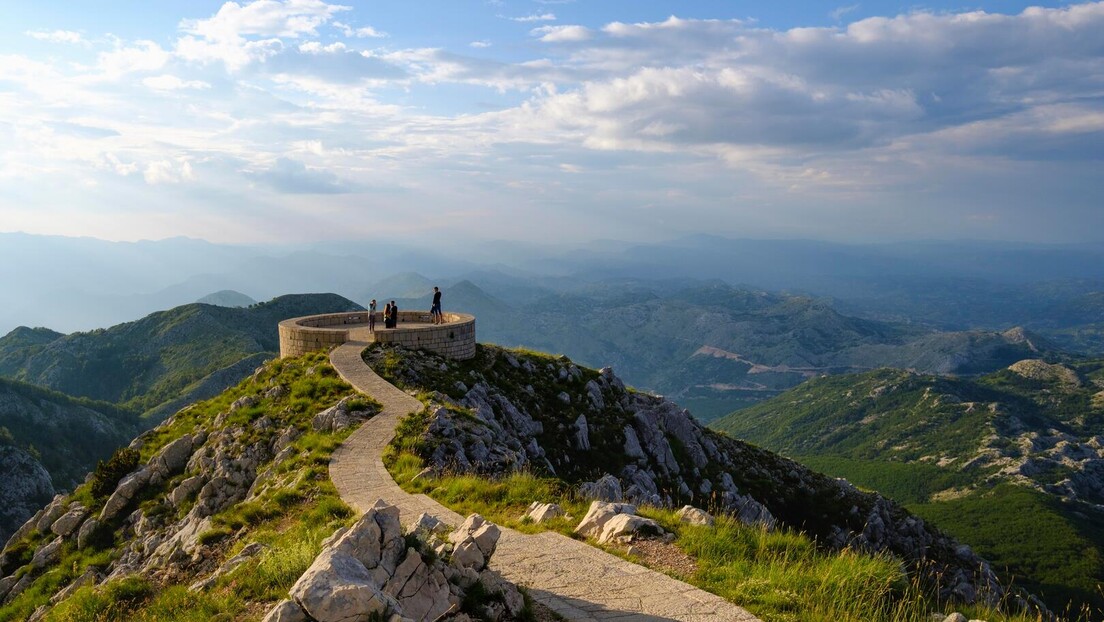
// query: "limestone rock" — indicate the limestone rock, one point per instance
point(337, 587)
point(69, 521)
point(627, 527)
point(541, 512)
point(51, 513)
point(286, 611)
point(87, 529)
point(474, 542)
point(186, 489)
point(47, 554)
point(695, 516)
point(172, 458)
point(24, 489)
point(600, 513)
point(607, 488)
point(955, 617)
point(124, 492)
point(582, 434)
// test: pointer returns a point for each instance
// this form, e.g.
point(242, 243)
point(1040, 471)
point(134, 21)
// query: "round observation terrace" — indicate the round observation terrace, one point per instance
point(454, 339)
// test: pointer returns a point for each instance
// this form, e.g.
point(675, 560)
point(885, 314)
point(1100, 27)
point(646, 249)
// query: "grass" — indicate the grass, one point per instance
point(293, 512)
point(780, 576)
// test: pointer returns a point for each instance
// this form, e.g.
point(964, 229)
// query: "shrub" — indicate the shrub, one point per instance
point(107, 474)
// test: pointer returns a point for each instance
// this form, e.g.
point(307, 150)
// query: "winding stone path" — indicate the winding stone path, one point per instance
point(572, 578)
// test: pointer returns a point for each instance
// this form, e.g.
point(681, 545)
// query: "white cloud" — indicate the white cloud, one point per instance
point(364, 32)
point(241, 34)
point(168, 82)
point(168, 172)
point(482, 43)
point(838, 12)
point(142, 56)
point(315, 47)
point(535, 17)
point(56, 36)
point(560, 34)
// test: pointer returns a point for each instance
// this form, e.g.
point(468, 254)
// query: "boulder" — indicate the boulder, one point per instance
point(628, 527)
point(474, 542)
point(47, 554)
point(124, 492)
point(286, 611)
point(337, 587)
point(695, 516)
point(69, 521)
point(186, 489)
point(607, 488)
point(172, 458)
point(598, 515)
point(87, 529)
point(51, 513)
point(955, 617)
point(540, 512)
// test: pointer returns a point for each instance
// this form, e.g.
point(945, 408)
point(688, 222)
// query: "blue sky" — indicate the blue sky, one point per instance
point(552, 121)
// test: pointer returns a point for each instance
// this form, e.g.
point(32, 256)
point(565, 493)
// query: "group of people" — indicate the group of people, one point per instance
point(391, 312)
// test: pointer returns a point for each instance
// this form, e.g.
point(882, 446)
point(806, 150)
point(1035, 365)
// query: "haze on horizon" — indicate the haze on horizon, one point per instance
point(552, 120)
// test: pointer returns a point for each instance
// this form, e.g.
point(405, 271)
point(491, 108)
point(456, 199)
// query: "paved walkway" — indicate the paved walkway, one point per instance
point(572, 578)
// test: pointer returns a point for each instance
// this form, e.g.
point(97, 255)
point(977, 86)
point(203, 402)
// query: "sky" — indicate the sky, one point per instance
point(552, 121)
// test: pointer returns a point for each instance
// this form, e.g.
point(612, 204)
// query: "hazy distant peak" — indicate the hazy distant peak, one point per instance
point(227, 298)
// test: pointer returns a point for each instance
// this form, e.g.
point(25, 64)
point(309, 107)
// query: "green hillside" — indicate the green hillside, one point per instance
point(157, 359)
point(68, 434)
point(1013, 453)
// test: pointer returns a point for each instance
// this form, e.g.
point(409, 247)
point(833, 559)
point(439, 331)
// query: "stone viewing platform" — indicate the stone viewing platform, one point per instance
point(454, 339)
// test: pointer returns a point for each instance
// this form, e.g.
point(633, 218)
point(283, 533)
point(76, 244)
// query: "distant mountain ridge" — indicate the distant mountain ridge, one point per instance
point(227, 298)
point(715, 348)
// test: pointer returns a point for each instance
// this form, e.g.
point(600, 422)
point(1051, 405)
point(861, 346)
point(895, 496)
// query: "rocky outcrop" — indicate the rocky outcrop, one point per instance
point(368, 571)
point(516, 411)
point(24, 488)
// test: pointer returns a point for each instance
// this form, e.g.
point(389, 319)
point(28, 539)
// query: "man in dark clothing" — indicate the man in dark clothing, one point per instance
point(435, 310)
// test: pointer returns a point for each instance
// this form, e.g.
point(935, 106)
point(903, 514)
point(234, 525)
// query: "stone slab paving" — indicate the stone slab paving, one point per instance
point(572, 578)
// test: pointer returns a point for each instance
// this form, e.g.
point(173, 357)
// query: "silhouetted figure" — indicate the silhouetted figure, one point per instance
point(372, 316)
point(387, 316)
point(394, 315)
point(435, 310)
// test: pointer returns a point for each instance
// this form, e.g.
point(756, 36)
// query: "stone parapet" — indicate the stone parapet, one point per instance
point(454, 339)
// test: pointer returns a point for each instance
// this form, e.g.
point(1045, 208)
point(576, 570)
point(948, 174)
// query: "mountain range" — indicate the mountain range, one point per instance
point(1012, 461)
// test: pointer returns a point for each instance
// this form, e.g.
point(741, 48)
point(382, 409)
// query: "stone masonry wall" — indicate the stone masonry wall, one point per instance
point(455, 339)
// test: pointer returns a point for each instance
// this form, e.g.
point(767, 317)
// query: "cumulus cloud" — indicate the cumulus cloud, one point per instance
point(240, 34)
point(482, 43)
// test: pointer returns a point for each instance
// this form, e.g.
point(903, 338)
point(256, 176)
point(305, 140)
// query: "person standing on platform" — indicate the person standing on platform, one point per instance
point(372, 316)
point(394, 315)
point(435, 310)
point(387, 315)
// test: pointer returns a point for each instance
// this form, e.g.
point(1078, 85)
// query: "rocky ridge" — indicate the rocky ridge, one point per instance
point(506, 410)
point(184, 513)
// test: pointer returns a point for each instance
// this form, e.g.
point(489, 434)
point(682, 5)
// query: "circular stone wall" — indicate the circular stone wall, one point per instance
point(454, 339)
